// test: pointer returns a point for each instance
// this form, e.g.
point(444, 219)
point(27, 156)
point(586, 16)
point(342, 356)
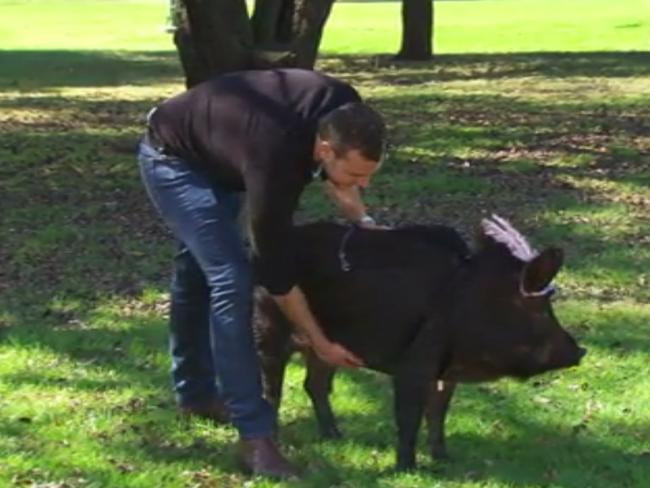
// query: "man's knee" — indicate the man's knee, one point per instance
point(234, 280)
point(188, 275)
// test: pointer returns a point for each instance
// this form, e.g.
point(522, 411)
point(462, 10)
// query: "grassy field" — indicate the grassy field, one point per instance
point(503, 121)
point(354, 27)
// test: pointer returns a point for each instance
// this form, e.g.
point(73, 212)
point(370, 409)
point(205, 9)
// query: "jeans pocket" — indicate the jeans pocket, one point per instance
point(149, 174)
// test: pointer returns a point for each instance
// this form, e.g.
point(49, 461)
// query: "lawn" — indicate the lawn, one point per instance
point(369, 26)
point(538, 110)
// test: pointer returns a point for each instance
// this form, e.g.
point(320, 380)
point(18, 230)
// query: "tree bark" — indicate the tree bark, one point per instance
point(271, 21)
point(308, 23)
point(217, 36)
point(417, 30)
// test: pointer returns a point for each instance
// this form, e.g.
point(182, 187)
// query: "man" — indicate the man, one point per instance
point(268, 134)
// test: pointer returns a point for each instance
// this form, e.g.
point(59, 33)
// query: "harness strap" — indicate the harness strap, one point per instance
point(343, 259)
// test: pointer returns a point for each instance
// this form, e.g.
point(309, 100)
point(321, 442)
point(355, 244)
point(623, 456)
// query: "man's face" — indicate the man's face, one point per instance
point(348, 170)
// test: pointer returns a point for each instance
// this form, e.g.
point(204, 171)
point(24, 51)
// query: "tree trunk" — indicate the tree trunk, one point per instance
point(272, 22)
point(217, 36)
point(308, 23)
point(417, 30)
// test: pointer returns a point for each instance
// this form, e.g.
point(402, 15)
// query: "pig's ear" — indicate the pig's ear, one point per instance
point(482, 239)
point(539, 272)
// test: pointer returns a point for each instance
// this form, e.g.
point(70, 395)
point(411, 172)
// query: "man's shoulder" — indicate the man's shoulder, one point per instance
point(281, 80)
point(319, 79)
point(313, 76)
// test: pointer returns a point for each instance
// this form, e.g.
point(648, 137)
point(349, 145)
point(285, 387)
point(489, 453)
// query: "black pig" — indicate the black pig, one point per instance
point(416, 304)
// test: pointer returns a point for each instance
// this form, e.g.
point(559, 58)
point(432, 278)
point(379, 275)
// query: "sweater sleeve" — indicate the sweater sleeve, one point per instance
point(273, 191)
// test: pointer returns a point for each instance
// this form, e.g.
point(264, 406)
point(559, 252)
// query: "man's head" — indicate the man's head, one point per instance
point(350, 144)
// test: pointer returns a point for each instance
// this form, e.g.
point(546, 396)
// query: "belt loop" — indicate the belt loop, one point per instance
point(151, 138)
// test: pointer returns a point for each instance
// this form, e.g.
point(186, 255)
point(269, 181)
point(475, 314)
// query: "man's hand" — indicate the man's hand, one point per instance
point(294, 306)
point(335, 354)
point(373, 226)
point(367, 222)
point(347, 200)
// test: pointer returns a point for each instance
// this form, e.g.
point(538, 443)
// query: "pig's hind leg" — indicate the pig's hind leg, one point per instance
point(436, 411)
point(318, 385)
point(274, 345)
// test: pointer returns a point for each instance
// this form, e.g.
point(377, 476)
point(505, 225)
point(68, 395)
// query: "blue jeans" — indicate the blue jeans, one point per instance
point(211, 336)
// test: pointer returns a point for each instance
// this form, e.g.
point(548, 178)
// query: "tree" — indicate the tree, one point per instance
point(417, 30)
point(218, 36)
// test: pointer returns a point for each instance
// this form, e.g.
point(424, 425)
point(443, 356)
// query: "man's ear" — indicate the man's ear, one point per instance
point(324, 149)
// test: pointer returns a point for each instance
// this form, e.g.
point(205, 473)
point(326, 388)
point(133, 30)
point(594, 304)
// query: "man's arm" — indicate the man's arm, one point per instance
point(350, 204)
point(271, 202)
point(347, 200)
point(294, 306)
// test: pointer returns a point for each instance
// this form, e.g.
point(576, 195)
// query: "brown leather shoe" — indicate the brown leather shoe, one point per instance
point(263, 458)
point(214, 411)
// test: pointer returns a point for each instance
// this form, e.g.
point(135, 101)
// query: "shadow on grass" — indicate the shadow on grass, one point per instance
point(114, 205)
point(532, 453)
point(515, 450)
point(539, 457)
point(28, 70)
point(79, 227)
point(93, 350)
point(518, 451)
point(75, 201)
point(449, 67)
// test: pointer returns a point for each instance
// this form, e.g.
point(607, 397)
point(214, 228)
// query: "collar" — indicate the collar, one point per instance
point(316, 173)
point(547, 290)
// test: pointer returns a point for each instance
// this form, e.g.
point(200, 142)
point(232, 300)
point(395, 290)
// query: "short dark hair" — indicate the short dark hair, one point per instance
point(354, 126)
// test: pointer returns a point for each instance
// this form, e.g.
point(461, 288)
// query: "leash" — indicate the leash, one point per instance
point(343, 259)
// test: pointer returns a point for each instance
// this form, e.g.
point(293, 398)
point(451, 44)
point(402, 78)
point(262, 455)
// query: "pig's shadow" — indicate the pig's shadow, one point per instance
point(517, 451)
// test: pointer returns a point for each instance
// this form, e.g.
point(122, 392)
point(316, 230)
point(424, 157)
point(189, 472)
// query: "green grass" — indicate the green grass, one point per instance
point(556, 141)
point(354, 27)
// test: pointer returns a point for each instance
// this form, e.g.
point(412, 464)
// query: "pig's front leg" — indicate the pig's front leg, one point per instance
point(440, 393)
point(422, 363)
point(410, 399)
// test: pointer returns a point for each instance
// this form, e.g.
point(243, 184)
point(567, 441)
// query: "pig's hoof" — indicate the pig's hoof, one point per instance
point(404, 467)
point(405, 463)
point(331, 433)
point(440, 454)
